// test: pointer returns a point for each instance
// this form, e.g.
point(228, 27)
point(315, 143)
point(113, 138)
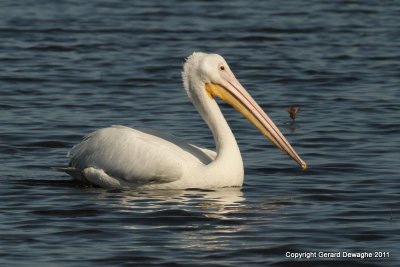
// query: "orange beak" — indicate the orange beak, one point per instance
point(233, 93)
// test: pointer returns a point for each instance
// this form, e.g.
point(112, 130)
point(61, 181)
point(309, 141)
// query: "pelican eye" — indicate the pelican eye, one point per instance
point(222, 67)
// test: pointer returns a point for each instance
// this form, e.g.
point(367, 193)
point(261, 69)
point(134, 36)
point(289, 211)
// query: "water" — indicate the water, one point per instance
point(70, 67)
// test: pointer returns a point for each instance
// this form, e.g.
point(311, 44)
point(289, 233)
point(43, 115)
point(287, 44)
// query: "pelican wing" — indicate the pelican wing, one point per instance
point(135, 156)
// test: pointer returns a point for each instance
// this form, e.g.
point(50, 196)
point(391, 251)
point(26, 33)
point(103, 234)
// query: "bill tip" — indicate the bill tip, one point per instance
point(304, 165)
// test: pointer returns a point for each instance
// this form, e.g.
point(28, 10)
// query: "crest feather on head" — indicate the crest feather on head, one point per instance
point(191, 61)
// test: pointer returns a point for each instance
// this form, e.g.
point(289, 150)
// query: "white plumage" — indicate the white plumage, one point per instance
point(119, 156)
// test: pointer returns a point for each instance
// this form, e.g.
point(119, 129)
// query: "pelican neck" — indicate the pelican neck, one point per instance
point(208, 108)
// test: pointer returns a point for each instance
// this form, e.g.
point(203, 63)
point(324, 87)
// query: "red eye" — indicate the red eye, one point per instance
point(222, 67)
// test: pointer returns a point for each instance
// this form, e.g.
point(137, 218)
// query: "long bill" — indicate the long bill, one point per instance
point(233, 93)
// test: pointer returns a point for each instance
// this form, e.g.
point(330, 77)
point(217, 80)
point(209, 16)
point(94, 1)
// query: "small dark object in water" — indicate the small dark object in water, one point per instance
point(293, 112)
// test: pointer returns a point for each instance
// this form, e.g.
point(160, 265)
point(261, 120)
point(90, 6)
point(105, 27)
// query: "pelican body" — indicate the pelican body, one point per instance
point(119, 156)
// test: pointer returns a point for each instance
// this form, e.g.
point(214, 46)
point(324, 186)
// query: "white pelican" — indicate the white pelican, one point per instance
point(119, 156)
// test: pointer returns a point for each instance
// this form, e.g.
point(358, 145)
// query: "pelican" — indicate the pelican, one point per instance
point(118, 156)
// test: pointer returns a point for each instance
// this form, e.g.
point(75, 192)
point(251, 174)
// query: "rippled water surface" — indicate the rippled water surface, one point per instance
point(70, 67)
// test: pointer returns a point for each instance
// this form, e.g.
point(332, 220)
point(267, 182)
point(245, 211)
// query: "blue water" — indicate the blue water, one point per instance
point(70, 67)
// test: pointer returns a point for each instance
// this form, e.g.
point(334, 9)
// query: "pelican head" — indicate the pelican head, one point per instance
point(207, 76)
